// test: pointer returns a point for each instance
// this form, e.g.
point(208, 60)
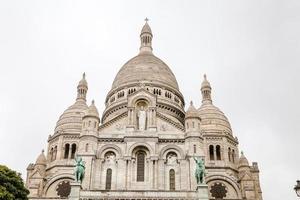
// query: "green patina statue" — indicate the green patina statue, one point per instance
point(79, 170)
point(200, 170)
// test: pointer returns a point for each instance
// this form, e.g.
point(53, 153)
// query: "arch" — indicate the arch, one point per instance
point(172, 179)
point(226, 179)
point(73, 150)
point(57, 178)
point(109, 147)
point(67, 149)
point(108, 179)
point(55, 153)
point(139, 144)
point(51, 154)
point(218, 152)
point(233, 155)
point(229, 154)
point(172, 147)
point(211, 152)
point(146, 97)
point(140, 171)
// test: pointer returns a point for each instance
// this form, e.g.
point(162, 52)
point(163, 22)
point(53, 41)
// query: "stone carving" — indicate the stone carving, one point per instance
point(110, 157)
point(164, 127)
point(171, 158)
point(142, 117)
point(218, 191)
point(63, 189)
point(79, 169)
point(200, 170)
point(119, 127)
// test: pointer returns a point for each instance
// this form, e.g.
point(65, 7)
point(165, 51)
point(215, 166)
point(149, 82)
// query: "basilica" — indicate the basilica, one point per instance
point(144, 145)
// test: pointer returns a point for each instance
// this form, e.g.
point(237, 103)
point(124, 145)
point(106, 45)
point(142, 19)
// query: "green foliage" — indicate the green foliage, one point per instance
point(11, 185)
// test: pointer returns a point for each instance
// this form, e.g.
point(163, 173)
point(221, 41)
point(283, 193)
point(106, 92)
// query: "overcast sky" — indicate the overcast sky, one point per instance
point(250, 51)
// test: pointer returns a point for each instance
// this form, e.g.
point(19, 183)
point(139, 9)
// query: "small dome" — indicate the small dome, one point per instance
point(243, 162)
point(83, 81)
point(145, 67)
point(212, 118)
point(146, 29)
point(205, 83)
point(192, 112)
point(41, 160)
point(71, 120)
point(92, 111)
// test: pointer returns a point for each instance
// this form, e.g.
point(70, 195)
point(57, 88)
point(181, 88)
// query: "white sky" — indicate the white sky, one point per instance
point(248, 49)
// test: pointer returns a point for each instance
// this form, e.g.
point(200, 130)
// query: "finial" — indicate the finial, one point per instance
point(191, 103)
point(83, 75)
point(205, 77)
point(42, 150)
point(146, 19)
point(93, 102)
point(242, 153)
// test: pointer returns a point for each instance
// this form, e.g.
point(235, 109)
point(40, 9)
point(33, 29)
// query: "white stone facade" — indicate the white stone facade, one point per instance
point(125, 160)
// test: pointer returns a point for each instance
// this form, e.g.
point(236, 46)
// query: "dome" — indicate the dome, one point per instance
point(212, 118)
point(145, 67)
point(71, 119)
point(146, 29)
point(92, 111)
point(243, 162)
point(192, 112)
point(41, 160)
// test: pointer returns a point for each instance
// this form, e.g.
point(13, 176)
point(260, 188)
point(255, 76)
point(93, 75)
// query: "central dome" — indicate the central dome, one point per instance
point(145, 67)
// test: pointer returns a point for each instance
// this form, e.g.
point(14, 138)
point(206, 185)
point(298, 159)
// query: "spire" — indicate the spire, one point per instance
point(82, 89)
point(146, 38)
point(206, 91)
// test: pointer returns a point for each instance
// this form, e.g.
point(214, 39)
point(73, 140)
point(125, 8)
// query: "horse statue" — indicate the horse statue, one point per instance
point(200, 170)
point(79, 169)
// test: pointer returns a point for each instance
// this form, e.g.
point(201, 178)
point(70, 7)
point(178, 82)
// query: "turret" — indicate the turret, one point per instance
point(90, 120)
point(243, 163)
point(82, 89)
point(192, 119)
point(146, 38)
point(192, 129)
point(88, 140)
point(41, 161)
point(206, 91)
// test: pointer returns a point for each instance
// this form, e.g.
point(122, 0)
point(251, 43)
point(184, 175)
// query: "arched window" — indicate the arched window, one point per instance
point(211, 152)
point(233, 155)
point(67, 149)
point(140, 166)
point(172, 179)
point(229, 154)
point(108, 179)
point(51, 154)
point(73, 150)
point(86, 147)
point(218, 150)
point(54, 153)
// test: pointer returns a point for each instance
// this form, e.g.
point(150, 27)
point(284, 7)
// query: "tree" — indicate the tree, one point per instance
point(11, 185)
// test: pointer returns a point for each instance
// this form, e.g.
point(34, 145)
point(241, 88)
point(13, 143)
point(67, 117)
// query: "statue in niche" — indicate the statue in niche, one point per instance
point(110, 157)
point(142, 118)
point(171, 158)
